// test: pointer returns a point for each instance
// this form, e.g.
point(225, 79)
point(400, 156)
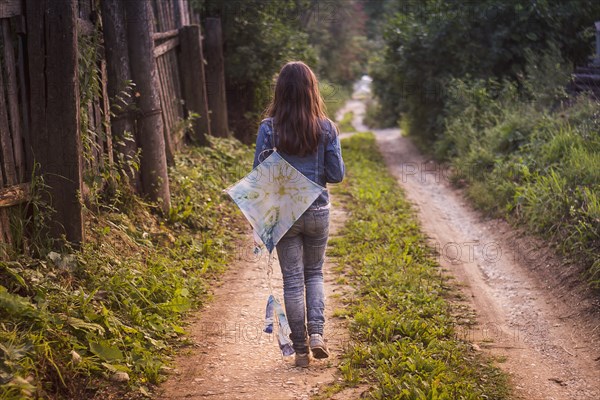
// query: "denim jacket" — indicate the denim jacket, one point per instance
point(323, 166)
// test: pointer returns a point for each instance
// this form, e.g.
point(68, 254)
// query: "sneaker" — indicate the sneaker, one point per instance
point(317, 346)
point(302, 360)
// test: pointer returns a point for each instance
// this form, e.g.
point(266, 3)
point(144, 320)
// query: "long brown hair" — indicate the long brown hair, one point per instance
point(297, 110)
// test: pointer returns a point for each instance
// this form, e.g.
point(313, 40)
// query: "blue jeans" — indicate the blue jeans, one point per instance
point(301, 254)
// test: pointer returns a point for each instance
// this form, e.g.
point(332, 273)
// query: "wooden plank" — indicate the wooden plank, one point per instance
point(165, 35)
point(177, 14)
point(162, 89)
point(191, 65)
point(159, 17)
point(54, 87)
point(169, 8)
point(167, 94)
point(24, 97)
point(169, 20)
point(184, 12)
point(155, 180)
point(166, 110)
point(165, 47)
point(16, 194)
point(108, 149)
point(5, 237)
point(8, 159)
point(13, 101)
point(177, 135)
point(166, 105)
point(11, 8)
point(164, 19)
point(215, 77)
point(119, 72)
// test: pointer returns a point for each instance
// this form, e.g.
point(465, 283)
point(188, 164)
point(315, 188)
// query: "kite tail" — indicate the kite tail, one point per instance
point(269, 315)
point(283, 334)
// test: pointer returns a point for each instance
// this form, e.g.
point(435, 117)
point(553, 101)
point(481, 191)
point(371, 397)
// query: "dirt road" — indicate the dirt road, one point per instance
point(533, 313)
point(233, 358)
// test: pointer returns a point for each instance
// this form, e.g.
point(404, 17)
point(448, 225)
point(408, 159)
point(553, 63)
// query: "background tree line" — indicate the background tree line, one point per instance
point(260, 36)
point(489, 87)
point(430, 43)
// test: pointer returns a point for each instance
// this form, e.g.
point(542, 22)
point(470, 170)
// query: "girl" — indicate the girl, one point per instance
point(309, 141)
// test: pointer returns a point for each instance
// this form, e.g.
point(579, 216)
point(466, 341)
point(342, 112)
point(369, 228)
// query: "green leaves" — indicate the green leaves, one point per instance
point(427, 44)
point(14, 305)
point(106, 351)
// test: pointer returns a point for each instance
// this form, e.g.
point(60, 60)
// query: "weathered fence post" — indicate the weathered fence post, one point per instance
point(215, 78)
point(597, 58)
point(118, 71)
point(54, 105)
point(140, 27)
point(192, 80)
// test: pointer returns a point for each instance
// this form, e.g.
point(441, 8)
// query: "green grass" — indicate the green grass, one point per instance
point(403, 341)
point(72, 322)
point(345, 125)
point(334, 96)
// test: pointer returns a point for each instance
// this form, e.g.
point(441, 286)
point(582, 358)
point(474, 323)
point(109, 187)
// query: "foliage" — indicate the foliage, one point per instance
point(485, 82)
point(432, 42)
point(404, 344)
point(534, 166)
point(334, 97)
point(71, 321)
point(259, 37)
point(345, 125)
point(336, 30)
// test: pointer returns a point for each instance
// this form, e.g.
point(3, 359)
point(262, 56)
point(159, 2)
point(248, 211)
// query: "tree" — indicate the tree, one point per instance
point(428, 44)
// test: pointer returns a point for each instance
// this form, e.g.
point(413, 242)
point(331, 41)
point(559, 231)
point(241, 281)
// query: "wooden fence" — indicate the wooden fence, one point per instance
point(14, 129)
point(52, 126)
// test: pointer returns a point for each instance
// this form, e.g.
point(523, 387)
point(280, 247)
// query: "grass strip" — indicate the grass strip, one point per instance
point(404, 344)
point(103, 321)
point(345, 125)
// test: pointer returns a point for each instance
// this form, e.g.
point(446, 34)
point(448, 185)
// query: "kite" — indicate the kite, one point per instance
point(273, 196)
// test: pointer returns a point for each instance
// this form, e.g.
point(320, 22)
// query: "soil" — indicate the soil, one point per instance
point(533, 313)
point(232, 358)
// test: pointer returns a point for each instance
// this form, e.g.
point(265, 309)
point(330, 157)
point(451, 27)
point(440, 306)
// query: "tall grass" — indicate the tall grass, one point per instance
point(535, 165)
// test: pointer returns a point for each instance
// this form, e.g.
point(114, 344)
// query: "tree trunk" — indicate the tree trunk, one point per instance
point(192, 80)
point(119, 73)
point(215, 78)
point(140, 27)
point(54, 104)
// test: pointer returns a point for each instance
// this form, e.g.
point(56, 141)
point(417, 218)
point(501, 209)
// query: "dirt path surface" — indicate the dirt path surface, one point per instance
point(232, 358)
point(532, 310)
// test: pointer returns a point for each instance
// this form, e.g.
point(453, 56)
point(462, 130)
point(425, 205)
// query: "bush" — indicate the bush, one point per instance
point(524, 162)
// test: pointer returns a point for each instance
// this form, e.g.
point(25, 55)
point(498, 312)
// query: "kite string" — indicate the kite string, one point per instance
point(270, 272)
